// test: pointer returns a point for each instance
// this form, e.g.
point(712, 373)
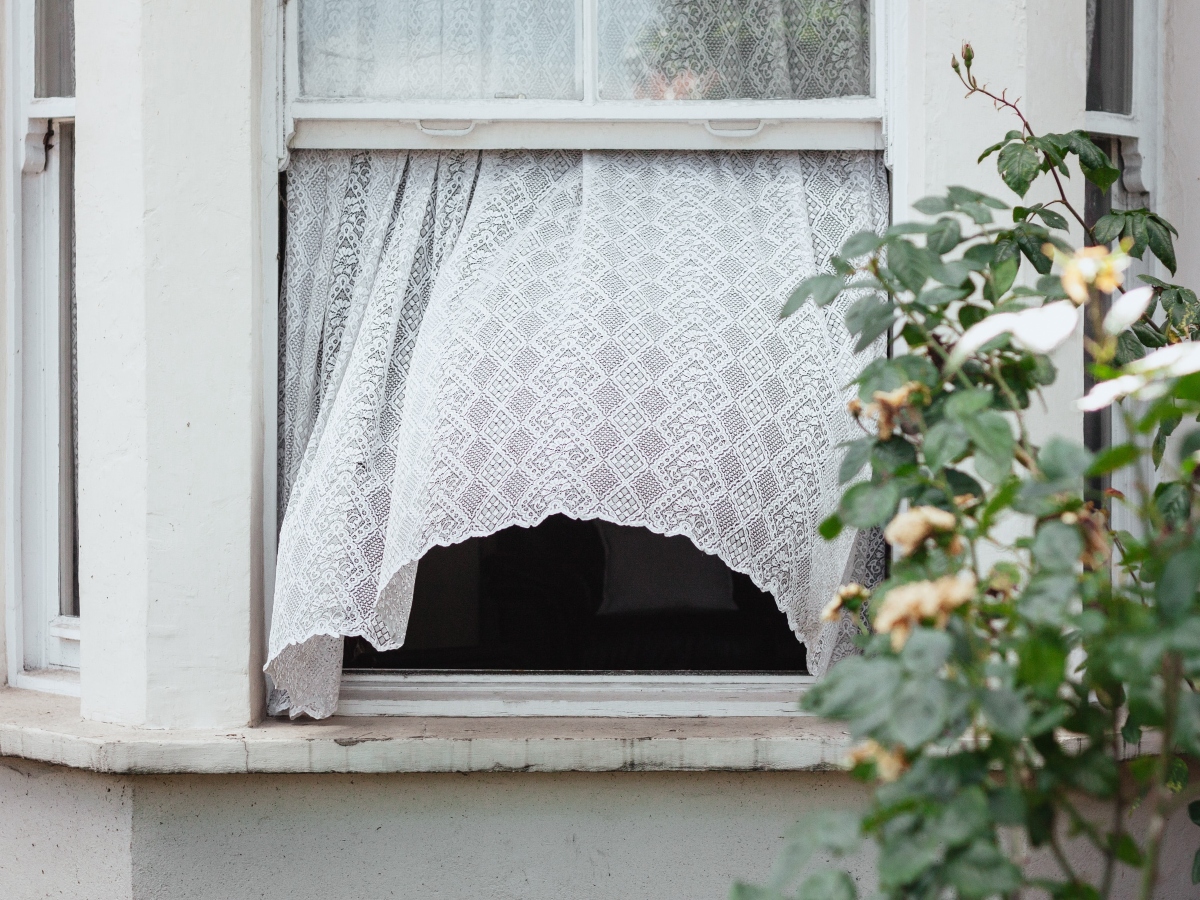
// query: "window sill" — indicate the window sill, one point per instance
point(48, 728)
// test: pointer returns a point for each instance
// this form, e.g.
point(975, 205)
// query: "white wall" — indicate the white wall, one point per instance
point(66, 834)
point(170, 363)
point(1180, 202)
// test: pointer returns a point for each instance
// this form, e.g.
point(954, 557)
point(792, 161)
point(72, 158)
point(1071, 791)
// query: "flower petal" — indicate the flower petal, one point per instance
point(1045, 328)
point(1107, 392)
point(1127, 309)
point(979, 334)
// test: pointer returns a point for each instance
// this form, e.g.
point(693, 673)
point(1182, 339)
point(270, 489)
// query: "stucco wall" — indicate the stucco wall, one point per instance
point(64, 833)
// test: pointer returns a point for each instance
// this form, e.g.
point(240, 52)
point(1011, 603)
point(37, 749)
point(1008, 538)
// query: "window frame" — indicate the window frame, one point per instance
point(851, 123)
point(875, 123)
point(42, 640)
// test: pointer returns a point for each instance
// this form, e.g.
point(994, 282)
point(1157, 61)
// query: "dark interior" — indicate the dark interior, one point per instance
point(585, 596)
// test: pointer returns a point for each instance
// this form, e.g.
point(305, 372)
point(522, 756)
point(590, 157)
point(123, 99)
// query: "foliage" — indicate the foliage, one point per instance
point(1004, 681)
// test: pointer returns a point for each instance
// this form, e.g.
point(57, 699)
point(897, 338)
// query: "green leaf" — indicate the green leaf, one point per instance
point(1004, 273)
point(831, 527)
point(964, 818)
point(1177, 775)
point(1007, 713)
point(1159, 241)
point(1108, 228)
point(911, 264)
point(1196, 867)
point(942, 296)
point(1018, 164)
point(743, 891)
point(1112, 458)
point(1176, 587)
point(1129, 348)
point(829, 884)
point(1093, 162)
point(1046, 599)
point(945, 235)
point(1174, 502)
point(918, 712)
point(964, 404)
point(1127, 851)
point(1057, 546)
point(945, 443)
point(1041, 664)
point(1149, 335)
point(869, 317)
point(1194, 812)
point(982, 871)
point(821, 289)
point(925, 652)
point(861, 244)
point(868, 505)
point(857, 454)
point(1053, 219)
point(894, 456)
point(933, 206)
point(1063, 460)
point(993, 438)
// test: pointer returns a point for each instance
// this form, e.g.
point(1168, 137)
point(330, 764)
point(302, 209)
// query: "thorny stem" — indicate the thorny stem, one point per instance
point(1002, 101)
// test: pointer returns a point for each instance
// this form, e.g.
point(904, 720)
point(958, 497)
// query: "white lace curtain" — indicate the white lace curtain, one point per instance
point(648, 49)
point(475, 341)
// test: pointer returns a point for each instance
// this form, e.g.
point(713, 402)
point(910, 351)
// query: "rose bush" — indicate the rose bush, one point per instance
point(1002, 683)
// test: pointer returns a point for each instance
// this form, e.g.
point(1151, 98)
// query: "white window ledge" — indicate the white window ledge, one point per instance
point(48, 728)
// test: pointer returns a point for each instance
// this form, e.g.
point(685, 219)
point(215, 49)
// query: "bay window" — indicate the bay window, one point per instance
point(539, 421)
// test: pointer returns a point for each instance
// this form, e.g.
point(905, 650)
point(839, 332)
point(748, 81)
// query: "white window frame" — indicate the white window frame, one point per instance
point(851, 123)
point(42, 643)
point(1139, 136)
point(856, 123)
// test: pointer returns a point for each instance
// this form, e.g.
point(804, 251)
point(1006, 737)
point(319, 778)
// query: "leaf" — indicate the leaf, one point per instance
point(1194, 812)
point(1041, 661)
point(1176, 588)
point(982, 871)
point(1149, 335)
point(1003, 275)
point(829, 884)
point(918, 712)
point(925, 652)
point(868, 505)
point(1174, 502)
point(910, 263)
point(1007, 713)
point(831, 527)
point(992, 436)
point(894, 456)
point(1177, 775)
point(857, 454)
point(939, 297)
point(1045, 599)
point(1159, 241)
point(1127, 851)
point(1196, 867)
point(1129, 348)
point(1112, 458)
point(963, 404)
point(743, 891)
point(1108, 228)
point(1093, 162)
point(1053, 219)
point(933, 206)
point(1057, 546)
point(861, 244)
point(945, 442)
point(1063, 460)
point(821, 289)
point(964, 818)
point(945, 235)
point(869, 317)
point(1018, 164)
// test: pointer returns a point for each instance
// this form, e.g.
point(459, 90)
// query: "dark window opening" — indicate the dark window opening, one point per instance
point(585, 596)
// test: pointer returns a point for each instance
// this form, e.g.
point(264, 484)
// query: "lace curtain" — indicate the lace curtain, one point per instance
point(476, 341)
point(648, 49)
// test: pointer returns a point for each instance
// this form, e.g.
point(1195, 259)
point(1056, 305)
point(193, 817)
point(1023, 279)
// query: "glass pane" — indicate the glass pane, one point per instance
point(439, 49)
point(726, 49)
point(54, 54)
point(1110, 56)
point(68, 374)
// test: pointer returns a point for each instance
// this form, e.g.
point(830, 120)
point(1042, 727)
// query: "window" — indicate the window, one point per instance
point(44, 648)
point(536, 411)
point(1122, 116)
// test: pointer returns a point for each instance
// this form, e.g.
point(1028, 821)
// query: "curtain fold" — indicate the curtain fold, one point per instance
point(475, 341)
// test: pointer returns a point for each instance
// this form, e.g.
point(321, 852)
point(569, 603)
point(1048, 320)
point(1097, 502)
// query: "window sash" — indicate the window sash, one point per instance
point(841, 123)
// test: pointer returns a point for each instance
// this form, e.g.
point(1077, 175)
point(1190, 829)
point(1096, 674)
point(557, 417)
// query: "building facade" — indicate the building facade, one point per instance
point(145, 753)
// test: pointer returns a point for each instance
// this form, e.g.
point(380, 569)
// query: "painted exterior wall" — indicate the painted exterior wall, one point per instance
point(171, 306)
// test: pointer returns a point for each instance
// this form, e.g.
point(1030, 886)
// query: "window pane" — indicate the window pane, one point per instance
point(1110, 56)
point(54, 55)
point(725, 49)
point(439, 49)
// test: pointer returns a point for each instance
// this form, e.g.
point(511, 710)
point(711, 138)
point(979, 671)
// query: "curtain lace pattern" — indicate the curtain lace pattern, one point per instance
point(475, 341)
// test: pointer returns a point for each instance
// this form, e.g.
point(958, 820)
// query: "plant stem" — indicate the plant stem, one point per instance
point(1172, 671)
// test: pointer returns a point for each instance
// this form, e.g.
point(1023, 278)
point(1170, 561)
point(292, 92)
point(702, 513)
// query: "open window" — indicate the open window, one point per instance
point(44, 644)
point(544, 445)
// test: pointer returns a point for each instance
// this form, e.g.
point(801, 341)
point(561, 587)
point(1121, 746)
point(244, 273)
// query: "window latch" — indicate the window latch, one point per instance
point(734, 129)
point(437, 128)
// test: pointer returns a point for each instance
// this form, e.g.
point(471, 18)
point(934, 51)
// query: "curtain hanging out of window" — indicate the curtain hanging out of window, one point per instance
point(475, 341)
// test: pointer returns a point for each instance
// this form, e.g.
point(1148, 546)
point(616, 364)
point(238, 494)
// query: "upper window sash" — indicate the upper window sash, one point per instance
point(580, 117)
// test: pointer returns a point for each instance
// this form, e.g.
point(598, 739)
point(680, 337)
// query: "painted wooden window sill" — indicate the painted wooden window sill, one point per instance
point(48, 728)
